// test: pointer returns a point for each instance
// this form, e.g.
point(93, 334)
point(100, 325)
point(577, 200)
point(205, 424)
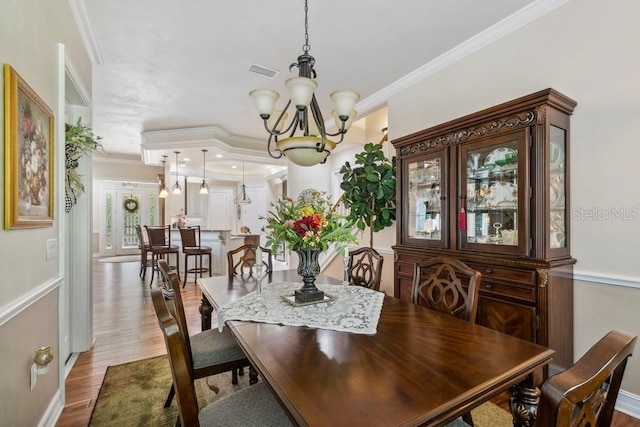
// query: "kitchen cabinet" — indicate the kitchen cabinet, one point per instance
point(492, 190)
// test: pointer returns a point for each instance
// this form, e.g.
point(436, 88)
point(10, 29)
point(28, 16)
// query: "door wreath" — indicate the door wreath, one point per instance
point(130, 205)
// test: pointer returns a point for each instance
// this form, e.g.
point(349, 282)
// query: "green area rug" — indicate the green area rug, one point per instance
point(132, 394)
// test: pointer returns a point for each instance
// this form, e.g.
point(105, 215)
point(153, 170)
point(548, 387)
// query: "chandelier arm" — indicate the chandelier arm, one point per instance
point(275, 126)
point(275, 156)
point(317, 117)
point(336, 134)
point(341, 131)
point(294, 123)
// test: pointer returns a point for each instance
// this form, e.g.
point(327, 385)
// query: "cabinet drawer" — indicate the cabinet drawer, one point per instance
point(521, 292)
point(491, 273)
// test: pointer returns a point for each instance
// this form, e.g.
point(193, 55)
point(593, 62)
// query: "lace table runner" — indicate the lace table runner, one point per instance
point(354, 308)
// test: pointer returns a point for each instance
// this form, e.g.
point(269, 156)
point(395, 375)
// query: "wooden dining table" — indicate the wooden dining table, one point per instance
point(420, 368)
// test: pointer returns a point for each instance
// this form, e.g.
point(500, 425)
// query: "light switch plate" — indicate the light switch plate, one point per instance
point(52, 248)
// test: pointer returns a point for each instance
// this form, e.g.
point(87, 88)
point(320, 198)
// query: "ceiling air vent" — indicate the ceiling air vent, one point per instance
point(263, 71)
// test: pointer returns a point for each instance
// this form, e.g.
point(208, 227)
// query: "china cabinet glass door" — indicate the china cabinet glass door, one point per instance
point(557, 189)
point(426, 200)
point(494, 195)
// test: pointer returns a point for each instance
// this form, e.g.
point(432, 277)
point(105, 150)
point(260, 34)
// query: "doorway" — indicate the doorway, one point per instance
point(121, 211)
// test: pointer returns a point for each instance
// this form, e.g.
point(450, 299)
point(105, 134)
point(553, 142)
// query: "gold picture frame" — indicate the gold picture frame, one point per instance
point(28, 154)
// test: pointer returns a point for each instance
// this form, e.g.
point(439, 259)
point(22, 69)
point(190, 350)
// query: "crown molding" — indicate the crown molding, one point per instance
point(86, 31)
point(197, 137)
point(497, 31)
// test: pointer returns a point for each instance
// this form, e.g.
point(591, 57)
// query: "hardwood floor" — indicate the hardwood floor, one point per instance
point(126, 329)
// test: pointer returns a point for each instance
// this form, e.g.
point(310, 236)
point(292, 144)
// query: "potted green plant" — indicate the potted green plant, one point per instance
point(370, 190)
point(79, 141)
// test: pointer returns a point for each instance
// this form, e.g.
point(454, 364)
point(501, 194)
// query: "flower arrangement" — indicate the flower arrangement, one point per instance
point(309, 222)
point(33, 158)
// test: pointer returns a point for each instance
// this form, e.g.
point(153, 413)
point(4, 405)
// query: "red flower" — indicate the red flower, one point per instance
point(307, 223)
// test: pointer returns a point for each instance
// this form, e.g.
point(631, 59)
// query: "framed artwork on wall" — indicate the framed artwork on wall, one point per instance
point(28, 165)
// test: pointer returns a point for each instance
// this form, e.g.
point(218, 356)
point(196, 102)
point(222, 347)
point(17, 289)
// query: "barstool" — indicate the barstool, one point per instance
point(192, 246)
point(144, 249)
point(161, 247)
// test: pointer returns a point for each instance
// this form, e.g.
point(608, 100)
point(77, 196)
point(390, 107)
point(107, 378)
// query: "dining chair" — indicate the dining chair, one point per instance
point(439, 284)
point(242, 260)
point(209, 352)
point(144, 247)
point(161, 247)
point(586, 393)
point(192, 247)
point(251, 406)
point(365, 268)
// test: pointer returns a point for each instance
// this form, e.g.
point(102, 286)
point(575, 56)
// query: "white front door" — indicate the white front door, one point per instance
point(121, 211)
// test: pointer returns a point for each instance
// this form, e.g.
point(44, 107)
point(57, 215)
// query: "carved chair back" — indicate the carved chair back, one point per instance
point(586, 393)
point(447, 285)
point(365, 268)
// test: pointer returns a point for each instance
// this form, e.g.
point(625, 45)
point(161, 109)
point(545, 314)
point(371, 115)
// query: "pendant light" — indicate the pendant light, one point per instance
point(242, 198)
point(165, 191)
point(204, 188)
point(312, 145)
point(177, 189)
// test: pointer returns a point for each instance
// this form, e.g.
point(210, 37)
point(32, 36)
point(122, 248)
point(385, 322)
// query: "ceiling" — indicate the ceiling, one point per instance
point(173, 76)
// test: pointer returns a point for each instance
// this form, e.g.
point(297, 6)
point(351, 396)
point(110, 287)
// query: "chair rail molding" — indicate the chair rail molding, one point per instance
point(18, 306)
point(587, 276)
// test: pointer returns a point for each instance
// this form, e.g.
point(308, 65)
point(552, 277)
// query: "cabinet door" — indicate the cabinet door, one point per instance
point(424, 210)
point(494, 194)
point(197, 204)
point(254, 213)
point(514, 319)
point(220, 209)
point(556, 165)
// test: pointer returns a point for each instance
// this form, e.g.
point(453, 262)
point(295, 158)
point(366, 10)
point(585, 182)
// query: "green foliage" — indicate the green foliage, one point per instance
point(370, 189)
point(79, 141)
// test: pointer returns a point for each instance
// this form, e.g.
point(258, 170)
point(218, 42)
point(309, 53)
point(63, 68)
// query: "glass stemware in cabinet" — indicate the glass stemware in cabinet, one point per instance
point(492, 194)
point(425, 199)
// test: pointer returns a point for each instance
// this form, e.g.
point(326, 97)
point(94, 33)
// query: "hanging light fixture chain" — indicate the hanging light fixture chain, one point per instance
point(306, 47)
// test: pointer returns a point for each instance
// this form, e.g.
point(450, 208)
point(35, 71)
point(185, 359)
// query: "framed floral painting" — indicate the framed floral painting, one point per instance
point(28, 142)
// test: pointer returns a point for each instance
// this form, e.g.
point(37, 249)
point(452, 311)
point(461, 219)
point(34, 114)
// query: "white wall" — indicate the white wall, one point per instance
point(587, 50)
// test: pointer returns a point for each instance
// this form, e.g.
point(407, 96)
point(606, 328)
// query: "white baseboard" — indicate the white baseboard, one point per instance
point(50, 417)
point(628, 403)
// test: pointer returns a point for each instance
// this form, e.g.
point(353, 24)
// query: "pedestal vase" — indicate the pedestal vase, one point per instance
point(308, 268)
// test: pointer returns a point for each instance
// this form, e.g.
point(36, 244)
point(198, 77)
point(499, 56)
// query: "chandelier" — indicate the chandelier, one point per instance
point(177, 189)
point(242, 198)
point(165, 191)
point(204, 188)
point(312, 145)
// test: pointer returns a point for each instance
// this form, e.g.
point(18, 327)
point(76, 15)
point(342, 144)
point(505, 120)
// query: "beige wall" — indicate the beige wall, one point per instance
point(589, 52)
point(30, 31)
point(19, 339)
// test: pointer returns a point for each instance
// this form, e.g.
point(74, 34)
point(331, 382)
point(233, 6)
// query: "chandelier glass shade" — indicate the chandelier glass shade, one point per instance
point(176, 189)
point(164, 192)
point(304, 141)
point(204, 187)
point(242, 198)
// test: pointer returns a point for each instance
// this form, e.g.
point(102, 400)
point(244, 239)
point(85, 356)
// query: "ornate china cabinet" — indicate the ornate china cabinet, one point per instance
point(492, 189)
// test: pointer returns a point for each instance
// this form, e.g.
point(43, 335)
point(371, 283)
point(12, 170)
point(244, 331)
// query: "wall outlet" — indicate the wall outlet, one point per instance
point(52, 248)
point(34, 376)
